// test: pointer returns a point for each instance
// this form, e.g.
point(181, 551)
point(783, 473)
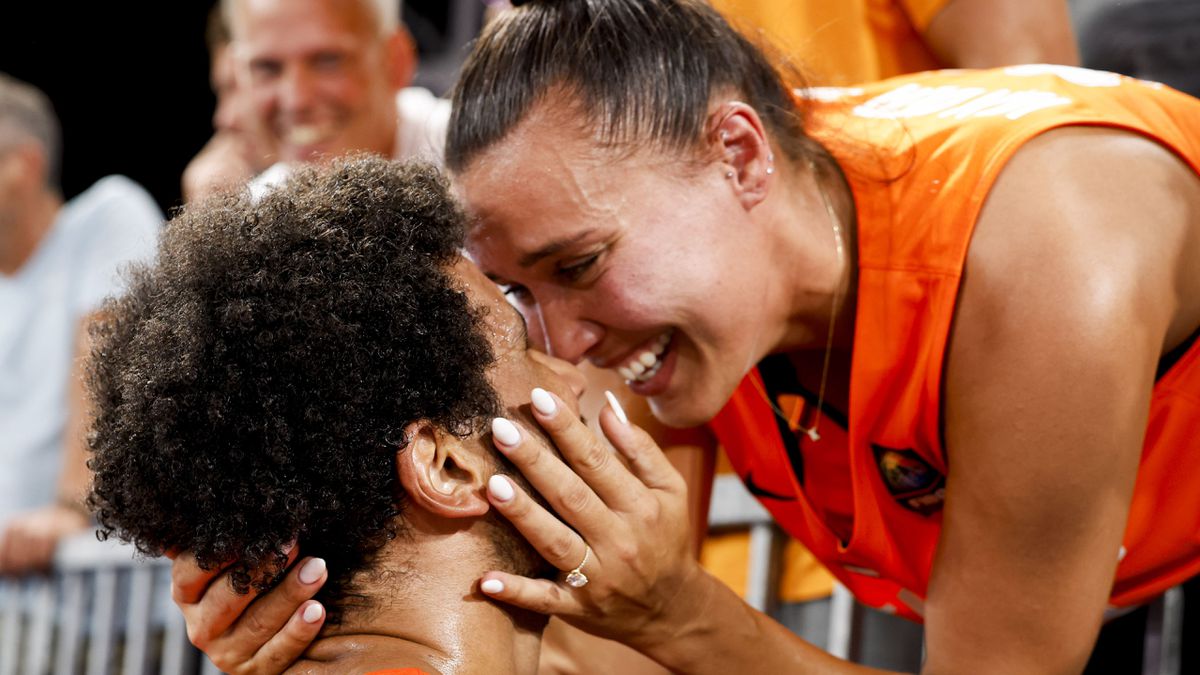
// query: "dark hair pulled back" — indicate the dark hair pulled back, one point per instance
point(642, 71)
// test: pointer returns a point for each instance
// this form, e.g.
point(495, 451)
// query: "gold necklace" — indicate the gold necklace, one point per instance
point(813, 432)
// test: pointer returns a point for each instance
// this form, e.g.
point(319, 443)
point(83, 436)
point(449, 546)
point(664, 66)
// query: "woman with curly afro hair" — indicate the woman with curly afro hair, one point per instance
point(317, 370)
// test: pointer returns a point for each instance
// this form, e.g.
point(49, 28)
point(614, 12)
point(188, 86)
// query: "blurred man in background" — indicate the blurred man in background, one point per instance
point(57, 262)
point(235, 153)
point(323, 78)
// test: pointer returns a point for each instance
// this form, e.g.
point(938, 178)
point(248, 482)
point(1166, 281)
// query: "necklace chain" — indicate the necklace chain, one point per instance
point(813, 432)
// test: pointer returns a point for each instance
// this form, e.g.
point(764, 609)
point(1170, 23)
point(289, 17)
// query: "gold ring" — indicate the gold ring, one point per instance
point(576, 578)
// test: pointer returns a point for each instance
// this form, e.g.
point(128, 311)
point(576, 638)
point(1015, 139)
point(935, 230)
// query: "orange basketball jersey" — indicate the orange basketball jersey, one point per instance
point(921, 153)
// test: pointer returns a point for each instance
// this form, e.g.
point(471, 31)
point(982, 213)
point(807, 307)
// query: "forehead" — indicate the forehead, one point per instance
point(550, 178)
point(548, 168)
point(297, 25)
point(504, 326)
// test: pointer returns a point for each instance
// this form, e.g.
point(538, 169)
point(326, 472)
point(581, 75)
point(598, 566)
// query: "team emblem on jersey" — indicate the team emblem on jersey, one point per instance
point(914, 484)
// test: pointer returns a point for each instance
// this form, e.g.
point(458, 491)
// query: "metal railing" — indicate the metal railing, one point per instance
point(733, 507)
point(101, 611)
point(105, 611)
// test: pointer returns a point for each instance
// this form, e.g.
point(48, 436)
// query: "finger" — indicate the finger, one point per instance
point(558, 544)
point(269, 614)
point(289, 644)
point(537, 595)
point(188, 580)
point(591, 457)
point(647, 461)
point(217, 605)
point(566, 492)
point(5, 546)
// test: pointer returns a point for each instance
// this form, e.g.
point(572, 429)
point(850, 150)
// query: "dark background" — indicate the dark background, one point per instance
point(129, 81)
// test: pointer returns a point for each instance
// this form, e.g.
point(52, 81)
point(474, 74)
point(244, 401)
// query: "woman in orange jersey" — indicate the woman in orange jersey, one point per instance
point(982, 287)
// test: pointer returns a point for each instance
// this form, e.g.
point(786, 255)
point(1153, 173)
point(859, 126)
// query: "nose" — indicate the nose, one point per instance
point(566, 335)
point(297, 88)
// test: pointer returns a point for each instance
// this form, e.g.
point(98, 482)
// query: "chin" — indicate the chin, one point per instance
point(682, 414)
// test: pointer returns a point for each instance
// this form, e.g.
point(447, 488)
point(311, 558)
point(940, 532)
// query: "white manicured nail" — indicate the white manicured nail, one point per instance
point(505, 432)
point(312, 613)
point(312, 570)
point(616, 406)
point(501, 488)
point(543, 401)
point(492, 586)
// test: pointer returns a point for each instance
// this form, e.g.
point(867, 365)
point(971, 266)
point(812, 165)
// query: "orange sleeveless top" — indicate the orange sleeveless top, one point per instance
point(844, 41)
point(921, 153)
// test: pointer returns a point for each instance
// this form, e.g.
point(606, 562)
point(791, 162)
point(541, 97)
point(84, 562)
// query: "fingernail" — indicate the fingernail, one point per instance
point(501, 488)
point(311, 571)
point(543, 401)
point(505, 432)
point(312, 613)
point(616, 407)
point(492, 586)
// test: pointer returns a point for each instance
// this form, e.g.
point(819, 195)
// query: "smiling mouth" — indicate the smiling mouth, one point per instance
point(646, 364)
point(307, 134)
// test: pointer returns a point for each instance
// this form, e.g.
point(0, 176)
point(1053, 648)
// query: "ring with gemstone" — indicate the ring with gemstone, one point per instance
point(576, 578)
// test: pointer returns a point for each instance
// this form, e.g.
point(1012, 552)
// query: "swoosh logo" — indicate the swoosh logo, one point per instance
point(758, 491)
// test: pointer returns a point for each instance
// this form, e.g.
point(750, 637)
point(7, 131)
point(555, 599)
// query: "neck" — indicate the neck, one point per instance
point(425, 611)
point(810, 201)
point(23, 226)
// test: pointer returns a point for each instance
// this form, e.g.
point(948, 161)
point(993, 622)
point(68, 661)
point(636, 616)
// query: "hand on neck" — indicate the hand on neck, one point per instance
point(423, 608)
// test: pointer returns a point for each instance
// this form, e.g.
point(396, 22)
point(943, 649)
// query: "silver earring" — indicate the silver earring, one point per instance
point(729, 174)
point(770, 170)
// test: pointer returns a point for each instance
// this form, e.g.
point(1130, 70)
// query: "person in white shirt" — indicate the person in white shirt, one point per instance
point(57, 262)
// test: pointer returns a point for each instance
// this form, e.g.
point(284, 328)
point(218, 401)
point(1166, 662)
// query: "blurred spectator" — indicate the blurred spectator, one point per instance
point(57, 262)
point(328, 77)
point(1155, 40)
point(234, 154)
point(853, 41)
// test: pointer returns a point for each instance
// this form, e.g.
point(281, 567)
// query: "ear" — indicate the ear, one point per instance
point(742, 150)
point(441, 474)
point(400, 52)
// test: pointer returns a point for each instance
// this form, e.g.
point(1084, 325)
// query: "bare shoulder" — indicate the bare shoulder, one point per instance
point(1100, 219)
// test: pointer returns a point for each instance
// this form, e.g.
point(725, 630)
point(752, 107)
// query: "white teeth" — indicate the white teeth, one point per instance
point(646, 364)
point(305, 134)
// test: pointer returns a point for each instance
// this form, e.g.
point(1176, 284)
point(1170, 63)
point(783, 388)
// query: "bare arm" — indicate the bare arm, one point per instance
point(29, 540)
point(1062, 320)
point(993, 33)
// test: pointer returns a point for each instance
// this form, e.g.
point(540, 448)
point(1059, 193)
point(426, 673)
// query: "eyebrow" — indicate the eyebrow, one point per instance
point(531, 259)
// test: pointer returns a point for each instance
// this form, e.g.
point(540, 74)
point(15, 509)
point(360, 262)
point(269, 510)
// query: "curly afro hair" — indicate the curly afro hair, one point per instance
point(252, 386)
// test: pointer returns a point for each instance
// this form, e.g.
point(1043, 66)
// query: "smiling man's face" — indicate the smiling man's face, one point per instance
point(321, 75)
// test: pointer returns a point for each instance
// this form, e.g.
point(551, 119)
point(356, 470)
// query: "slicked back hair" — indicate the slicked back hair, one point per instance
point(642, 72)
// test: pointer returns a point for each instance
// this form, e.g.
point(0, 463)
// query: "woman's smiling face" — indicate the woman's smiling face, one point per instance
point(638, 262)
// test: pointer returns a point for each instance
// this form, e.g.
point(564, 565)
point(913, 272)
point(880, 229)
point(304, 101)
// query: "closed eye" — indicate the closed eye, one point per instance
point(574, 270)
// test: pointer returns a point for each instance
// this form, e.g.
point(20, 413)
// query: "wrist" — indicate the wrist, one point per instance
point(74, 506)
point(676, 635)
